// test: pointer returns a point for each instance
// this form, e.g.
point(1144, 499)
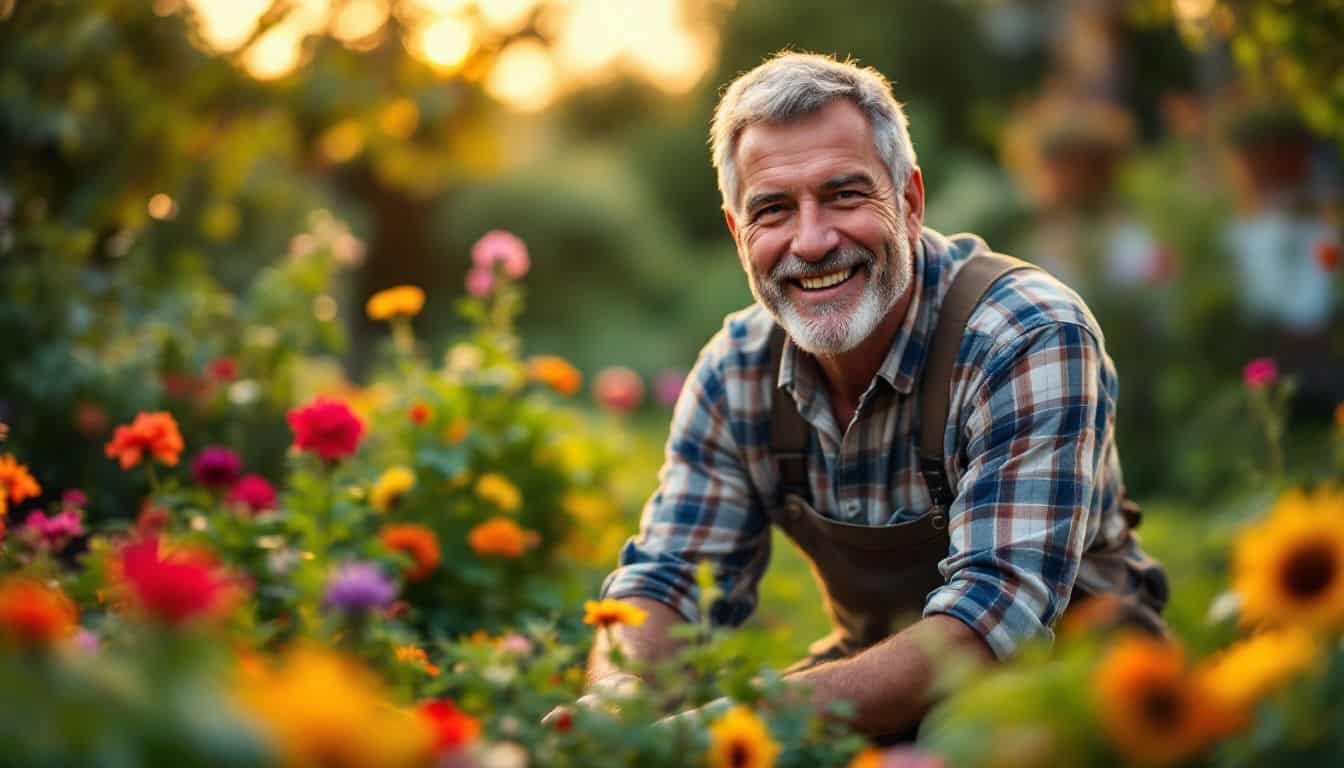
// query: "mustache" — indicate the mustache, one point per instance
point(793, 268)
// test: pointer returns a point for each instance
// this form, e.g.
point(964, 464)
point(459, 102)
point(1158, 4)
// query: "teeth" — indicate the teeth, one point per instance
point(825, 281)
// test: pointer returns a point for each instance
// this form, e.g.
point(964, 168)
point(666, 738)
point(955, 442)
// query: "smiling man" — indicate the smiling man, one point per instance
point(930, 423)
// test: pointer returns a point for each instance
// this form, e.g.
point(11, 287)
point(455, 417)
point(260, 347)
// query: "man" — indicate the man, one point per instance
point(820, 433)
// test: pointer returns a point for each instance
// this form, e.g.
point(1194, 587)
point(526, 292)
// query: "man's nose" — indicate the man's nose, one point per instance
point(815, 237)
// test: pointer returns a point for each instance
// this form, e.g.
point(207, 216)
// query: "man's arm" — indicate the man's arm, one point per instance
point(649, 641)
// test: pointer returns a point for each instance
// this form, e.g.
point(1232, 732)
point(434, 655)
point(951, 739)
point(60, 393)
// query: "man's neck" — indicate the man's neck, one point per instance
point(849, 373)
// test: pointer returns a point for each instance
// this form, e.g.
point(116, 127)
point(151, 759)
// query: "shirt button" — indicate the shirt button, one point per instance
point(853, 505)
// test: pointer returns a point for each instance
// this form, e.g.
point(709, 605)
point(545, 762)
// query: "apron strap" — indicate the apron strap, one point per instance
point(789, 433)
point(968, 287)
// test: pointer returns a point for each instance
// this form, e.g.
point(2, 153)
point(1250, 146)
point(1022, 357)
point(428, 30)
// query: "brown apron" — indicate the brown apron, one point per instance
point(875, 579)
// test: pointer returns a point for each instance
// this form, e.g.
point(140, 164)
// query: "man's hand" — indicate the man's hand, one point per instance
point(606, 692)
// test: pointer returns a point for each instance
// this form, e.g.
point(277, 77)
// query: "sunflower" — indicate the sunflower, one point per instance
point(1289, 569)
point(1153, 711)
point(419, 543)
point(1252, 669)
point(16, 484)
point(401, 301)
point(390, 487)
point(605, 613)
point(739, 739)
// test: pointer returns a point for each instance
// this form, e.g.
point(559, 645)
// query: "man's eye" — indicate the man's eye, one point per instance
point(768, 210)
point(849, 194)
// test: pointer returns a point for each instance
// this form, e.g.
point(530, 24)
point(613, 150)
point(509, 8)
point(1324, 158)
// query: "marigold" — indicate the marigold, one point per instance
point(153, 433)
point(326, 427)
point(1245, 673)
point(419, 543)
point(606, 612)
point(16, 484)
point(1152, 709)
point(556, 373)
point(416, 657)
point(34, 615)
point(401, 301)
point(502, 537)
point(391, 486)
point(1289, 569)
point(740, 739)
point(496, 489)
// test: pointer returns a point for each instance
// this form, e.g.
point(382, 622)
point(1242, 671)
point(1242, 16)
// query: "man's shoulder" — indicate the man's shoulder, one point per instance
point(742, 344)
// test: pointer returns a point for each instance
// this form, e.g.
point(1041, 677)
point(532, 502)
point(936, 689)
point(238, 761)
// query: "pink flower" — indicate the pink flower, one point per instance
point(1260, 372)
point(326, 427)
point(254, 492)
point(515, 644)
point(75, 498)
point(480, 281)
point(216, 467)
point(56, 531)
point(667, 387)
point(503, 248)
point(618, 389)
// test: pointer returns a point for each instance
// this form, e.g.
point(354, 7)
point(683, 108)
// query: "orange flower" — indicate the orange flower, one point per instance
point(1153, 709)
point(501, 536)
point(555, 372)
point(456, 432)
point(16, 484)
point(417, 541)
point(605, 613)
point(33, 614)
point(420, 413)
point(153, 433)
point(410, 654)
point(401, 301)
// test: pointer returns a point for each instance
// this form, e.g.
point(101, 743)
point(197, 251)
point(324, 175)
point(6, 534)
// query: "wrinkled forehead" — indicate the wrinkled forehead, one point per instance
point(834, 139)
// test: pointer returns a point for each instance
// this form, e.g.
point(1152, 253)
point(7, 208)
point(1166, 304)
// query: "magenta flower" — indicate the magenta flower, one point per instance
point(1260, 372)
point(216, 467)
point(56, 531)
point(503, 248)
point(480, 281)
point(253, 492)
point(667, 386)
point(75, 499)
point(357, 588)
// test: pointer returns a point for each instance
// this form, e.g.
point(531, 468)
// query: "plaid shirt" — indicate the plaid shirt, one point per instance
point(1029, 444)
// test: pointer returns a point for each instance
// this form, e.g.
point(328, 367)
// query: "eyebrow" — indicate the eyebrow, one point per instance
point(758, 200)
point(859, 178)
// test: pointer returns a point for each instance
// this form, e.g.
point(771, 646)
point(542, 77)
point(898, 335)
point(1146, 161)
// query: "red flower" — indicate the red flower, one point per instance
point(326, 427)
point(216, 467)
point(253, 491)
point(34, 615)
point(1327, 255)
point(1260, 372)
point(153, 433)
point(419, 413)
point(176, 587)
point(618, 389)
point(453, 729)
point(222, 369)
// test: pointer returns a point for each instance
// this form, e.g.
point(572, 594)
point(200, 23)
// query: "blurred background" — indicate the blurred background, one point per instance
point(164, 164)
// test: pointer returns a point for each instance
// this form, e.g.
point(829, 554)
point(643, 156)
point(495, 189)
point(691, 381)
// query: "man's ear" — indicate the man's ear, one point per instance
point(913, 197)
point(731, 221)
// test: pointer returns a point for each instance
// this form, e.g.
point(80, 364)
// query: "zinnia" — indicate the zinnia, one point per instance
point(555, 372)
point(453, 729)
point(177, 587)
point(326, 427)
point(216, 467)
point(740, 739)
point(16, 484)
point(420, 413)
point(419, 543)
point(502, 537)
point(56, 531)
point(153, 433)
point(401, 301)
point(34, 615)
point(1260, 372)
point(254, 492)
point(607, 612)
point(357, 588)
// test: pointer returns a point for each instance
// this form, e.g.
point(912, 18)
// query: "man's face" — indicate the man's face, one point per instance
point(822, 234)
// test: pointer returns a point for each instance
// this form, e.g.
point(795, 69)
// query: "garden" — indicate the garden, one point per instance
point(341, 340)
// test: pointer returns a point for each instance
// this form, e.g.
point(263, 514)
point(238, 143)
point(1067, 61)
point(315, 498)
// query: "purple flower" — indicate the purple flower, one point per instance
point(357, 588)
point(217, 467)
point(667, 387)
point(86, 641)
point(56, 531)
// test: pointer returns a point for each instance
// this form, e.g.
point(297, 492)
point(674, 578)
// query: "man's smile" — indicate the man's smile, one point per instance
point(827, 287)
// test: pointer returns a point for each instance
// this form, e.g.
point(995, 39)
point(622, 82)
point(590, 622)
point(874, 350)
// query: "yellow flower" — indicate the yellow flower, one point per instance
point(322, 709)
point(739, 739)
point(393, 484)
point(496, 489)
point(402, 301)
point(607, 612)
point(1152, 709)
point(1254, 668)
point(502, 537)
point(1289, 569)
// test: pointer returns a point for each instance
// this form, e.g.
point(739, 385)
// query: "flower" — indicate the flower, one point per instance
point(1250, 670)
point(897, 757)
point(358, 587)
point(456, 432)
point(501, 536)
point(326, 427)
point(152, 518)
point(1327, 255)
point(555, 372)
point(1152, 710)
point(415, 656)
point(216, 467)
point(222, 369)
point(667, 386)
point(175, 587)
point(33, 614)
point(420, 413)
point(496, 489)
point(480, 282)
point(401, 301)
point(56, 531)
point(1289, 569)
point(320, 708)
point(453, 729)
point(514, 644)
point(391, 486)
point(254, 492)
point(1260, 372)
point(504, 248)
point(153, 433)
point(74, 499)
point(418, 542)
point(90, 419)
point(604, 613)
point(740, 739)
point(16, 484)
point(618, 389)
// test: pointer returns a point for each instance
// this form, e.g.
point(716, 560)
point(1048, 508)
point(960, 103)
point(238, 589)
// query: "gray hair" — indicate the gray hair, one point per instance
point(790, 86)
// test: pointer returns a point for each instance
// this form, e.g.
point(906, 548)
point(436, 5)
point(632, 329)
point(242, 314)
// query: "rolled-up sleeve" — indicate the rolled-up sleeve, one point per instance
point(1032, 430)
point(703, 510)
